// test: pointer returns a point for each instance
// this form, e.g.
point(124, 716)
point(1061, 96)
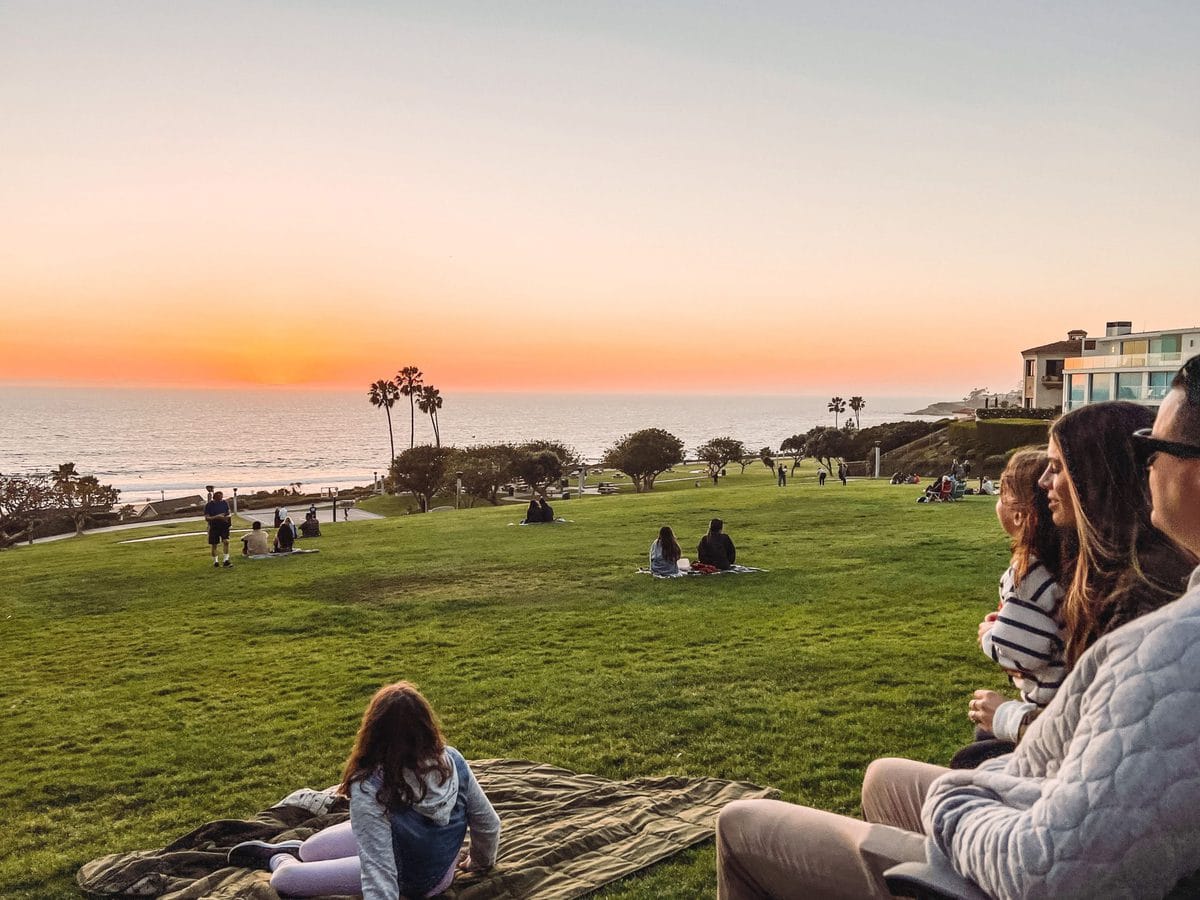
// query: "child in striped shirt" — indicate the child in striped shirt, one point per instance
point(1025, 635)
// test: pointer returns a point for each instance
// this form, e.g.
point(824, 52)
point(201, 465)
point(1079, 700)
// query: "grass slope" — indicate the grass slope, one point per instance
point(145, 693)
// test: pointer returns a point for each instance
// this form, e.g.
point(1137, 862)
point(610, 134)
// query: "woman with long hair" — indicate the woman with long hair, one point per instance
point(665, 553)
point(412, 801)
point(1116, 567)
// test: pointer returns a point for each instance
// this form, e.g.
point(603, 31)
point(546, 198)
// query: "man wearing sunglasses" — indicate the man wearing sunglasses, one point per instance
point(1105, 800)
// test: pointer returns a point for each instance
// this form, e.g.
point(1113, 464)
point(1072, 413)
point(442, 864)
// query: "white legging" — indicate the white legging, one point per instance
point(328, 864)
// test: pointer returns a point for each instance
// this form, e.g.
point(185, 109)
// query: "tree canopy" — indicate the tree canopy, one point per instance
point(485, 469)
point(422, 471)
point(644, 455)
point(826, 444)
point(25, 500)
point(795, 448)
point(718, 452)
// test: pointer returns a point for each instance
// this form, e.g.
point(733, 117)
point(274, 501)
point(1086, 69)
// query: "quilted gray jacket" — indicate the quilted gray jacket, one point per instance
point(1102, 797)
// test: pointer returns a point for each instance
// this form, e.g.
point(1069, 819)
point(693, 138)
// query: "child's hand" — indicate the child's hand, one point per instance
point(986, 625)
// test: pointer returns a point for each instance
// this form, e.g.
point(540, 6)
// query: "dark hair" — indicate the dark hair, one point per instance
point(1187, 379)
point(668, 544)
point(1037, 535)
point(257, 525)
point(399, 733)
point(715, 526)
point(1120, 566)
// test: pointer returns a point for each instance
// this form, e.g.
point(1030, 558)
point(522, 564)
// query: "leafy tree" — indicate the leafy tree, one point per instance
point(422, 471)
point(429, 402)
point(385, 393)
point(837, 406)
point(644, 455)
point(826, 444)
point(717, 453)
point(794, 447)
point(22, 499)
point(767, 457)
point(409, 381)
point(485, 468)
point(537, 468)
point(65, 477)
point(566, 454)
point(857, 404)
point(90, 498)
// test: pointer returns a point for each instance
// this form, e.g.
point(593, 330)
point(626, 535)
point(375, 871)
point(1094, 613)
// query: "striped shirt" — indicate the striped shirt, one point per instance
point(1027, 636)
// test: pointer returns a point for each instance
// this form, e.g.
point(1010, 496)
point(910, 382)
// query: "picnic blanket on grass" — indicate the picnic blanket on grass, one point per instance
point(281, 554)
point(687, 573)
point(564, 835)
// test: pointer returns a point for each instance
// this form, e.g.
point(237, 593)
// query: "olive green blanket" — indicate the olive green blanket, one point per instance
point(564, 835)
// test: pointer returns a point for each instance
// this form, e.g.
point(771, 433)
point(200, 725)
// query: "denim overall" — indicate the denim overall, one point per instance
point(424, 850)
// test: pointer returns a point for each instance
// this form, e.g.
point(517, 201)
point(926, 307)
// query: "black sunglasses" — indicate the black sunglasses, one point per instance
point(1148, 447)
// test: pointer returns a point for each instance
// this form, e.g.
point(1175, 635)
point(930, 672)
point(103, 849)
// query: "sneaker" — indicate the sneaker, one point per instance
point(228, 564)
point(216, 565)
point(257, 854)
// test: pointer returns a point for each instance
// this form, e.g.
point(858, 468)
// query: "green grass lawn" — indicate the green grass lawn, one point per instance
point(145, 693)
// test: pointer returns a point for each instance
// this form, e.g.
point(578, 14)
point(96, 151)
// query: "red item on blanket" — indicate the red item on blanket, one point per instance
point(705, 569)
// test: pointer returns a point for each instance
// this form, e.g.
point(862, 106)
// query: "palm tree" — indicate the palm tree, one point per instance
point(836, 406)
point(857, 404)
point(384, 393)
point(429, 401)
point(409, 381)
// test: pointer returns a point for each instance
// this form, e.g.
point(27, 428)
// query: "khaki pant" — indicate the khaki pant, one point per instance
point(769, 849)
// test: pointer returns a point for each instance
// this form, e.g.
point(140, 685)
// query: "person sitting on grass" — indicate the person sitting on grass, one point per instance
point(285, 536)
point(665, 553)
point(412, 801)
point(715, 548)
point(255, 543)
point(545, 510)
point(311, 526)
point(1025, 636)
point(533, 514)
point(1099, 797)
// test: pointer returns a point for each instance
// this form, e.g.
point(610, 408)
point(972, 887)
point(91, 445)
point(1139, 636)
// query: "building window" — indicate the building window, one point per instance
point(1168, 343)
point(1054, 368)
point(1129, 385)
point(1160, 383)
point(1102, 387)
point(1029, 364)
point(1075, 390)
point(1138, 347)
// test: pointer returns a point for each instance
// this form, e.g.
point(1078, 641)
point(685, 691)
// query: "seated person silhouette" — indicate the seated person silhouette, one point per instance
point(285, 537)
point(255, 543)
point(716, 548)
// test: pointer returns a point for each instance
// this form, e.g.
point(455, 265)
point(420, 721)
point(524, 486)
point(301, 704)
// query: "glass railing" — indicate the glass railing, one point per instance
point(1152, 394)
point(1128, 361)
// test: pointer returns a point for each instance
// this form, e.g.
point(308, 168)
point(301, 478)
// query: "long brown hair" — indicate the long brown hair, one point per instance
point(1122, 567)
point(399, 732)
point(667, 543)
point(1037, 536)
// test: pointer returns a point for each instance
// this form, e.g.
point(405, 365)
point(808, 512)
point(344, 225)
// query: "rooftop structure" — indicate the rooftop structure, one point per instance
point(1127, 365)
point(1042, 385)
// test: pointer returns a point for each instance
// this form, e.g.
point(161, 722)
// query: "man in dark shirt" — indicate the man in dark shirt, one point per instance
point(716, 549)
point(216, 514)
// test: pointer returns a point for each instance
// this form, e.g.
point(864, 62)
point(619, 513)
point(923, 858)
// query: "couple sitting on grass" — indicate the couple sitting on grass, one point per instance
point(258, 541)
point(539, 511)
point(715, 551)
point(1096, 791)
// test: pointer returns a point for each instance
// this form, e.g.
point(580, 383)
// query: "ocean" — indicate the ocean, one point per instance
point(154, 443)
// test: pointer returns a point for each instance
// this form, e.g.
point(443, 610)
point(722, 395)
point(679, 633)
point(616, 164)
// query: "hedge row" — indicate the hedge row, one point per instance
point(1016, 412)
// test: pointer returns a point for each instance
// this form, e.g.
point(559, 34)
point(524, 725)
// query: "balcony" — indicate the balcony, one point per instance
point(1133, 361)
point(1052, 381)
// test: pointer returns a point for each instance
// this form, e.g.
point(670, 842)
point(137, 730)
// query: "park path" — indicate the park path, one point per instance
point(266, 516)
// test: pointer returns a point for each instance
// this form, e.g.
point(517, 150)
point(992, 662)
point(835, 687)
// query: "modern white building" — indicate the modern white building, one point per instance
point(1042, 385)
point(1127, 365)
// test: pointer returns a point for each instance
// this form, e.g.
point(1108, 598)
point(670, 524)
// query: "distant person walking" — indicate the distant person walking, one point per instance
point(218, 517)
point(716, 548)
point(782, 476)
point(821, 475)
point(842, 471)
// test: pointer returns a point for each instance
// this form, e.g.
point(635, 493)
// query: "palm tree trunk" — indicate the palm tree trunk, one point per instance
point(437, 433)
point(412, 422)
point(391, 440)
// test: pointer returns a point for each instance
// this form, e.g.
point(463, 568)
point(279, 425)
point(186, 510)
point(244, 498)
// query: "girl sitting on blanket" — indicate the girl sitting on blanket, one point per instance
point(665, 553)
point(412, 801)
point(1025, 635)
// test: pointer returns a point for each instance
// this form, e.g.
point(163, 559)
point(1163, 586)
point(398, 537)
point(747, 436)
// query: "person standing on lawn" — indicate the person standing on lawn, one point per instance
point(218, 517)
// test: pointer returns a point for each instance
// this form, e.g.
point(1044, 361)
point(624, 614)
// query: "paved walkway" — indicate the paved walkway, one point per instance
point(266, 516)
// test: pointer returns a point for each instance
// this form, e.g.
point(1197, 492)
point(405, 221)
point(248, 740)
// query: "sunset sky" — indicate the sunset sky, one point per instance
point(660, 196)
